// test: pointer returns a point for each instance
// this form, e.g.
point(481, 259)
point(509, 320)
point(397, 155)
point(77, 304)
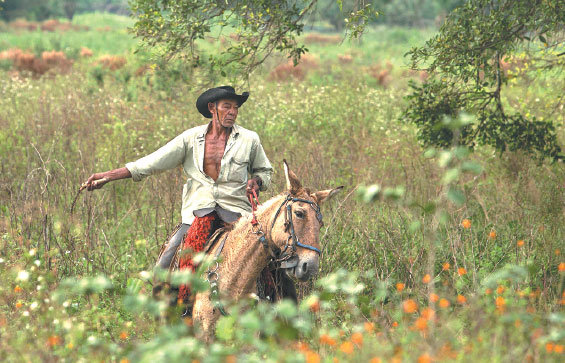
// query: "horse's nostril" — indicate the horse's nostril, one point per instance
point(305, 266)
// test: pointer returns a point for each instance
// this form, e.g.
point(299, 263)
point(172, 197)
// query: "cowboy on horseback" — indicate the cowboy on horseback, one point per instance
point(225, 164)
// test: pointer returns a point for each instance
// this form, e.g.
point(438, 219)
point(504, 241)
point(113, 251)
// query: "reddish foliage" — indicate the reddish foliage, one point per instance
point(85, 52)
point(322, 39)
point(287, 70)
point(22, 24)
point(112, 62)
point(345, 58)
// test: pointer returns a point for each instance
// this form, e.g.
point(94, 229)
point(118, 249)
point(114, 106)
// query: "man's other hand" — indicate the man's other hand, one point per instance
point(252, 184)
point(96, 181)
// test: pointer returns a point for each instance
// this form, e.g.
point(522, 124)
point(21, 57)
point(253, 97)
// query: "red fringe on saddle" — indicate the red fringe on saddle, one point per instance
point(195, 239)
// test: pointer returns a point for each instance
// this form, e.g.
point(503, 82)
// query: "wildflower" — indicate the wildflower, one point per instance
point(549, 347)
point(409, 306)
point(312, 357)
point(17, 289)
point(346, 347)
point(492, 235)
point(19, 304)
point(558, 348)
point(326, 339)
point(428, 313)
point(461, 299)
point(357, 338)
point(517, 323)
point(500, 289)
point(520, 243)
point(461, 271)
point(500, 303)
point(315, 306)
point(445, 266)
point(124, 335)
point(444, 303)
point(434, 297)
point(375, 360)
point(53, 340)
point(488, 291)
point(557, 252)
point(424, 358)
point(70, 345)
point(399, 286)
point(466, 223)
point(303, 347)
point(420, 324)
point(231, 359)
point(395, 324)
point(561, 267)
point(23, 275)
point(124, 360)
point(369, 327)
point(426, 279)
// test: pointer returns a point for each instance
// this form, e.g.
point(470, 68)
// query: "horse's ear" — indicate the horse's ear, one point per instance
point(324, 195)
point(292, 183)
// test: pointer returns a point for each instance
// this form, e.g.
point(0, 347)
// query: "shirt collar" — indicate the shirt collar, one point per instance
point(202, 133)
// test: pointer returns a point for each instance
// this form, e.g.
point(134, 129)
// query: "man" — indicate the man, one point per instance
point(217, 158)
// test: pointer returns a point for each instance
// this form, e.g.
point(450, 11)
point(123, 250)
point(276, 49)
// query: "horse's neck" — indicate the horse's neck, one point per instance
point(244, 257)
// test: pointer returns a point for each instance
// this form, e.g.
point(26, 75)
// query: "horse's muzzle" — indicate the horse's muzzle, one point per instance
point(307, 267)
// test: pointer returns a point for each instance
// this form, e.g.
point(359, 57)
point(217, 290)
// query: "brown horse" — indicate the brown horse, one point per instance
point(288, 230)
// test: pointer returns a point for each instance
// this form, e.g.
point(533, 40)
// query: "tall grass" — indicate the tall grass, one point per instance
point(336, 127)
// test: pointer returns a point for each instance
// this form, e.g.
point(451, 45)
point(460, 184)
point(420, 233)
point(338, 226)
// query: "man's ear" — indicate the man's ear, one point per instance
point(324, 195)
point(292, 183)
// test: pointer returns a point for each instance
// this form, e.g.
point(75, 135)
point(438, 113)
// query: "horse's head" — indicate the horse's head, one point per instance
point(296, 227)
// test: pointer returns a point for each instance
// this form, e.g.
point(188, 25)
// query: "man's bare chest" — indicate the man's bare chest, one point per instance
point(213, 154)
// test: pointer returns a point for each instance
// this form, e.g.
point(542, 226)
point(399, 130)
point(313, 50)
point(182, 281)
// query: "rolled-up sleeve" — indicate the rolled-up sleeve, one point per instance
point(260, 165)
point(167, 157)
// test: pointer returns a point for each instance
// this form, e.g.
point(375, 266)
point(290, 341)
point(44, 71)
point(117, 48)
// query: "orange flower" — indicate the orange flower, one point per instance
point(434, 297)
point(315, 306)
point(558, 349)
point(461, 299)
point(395, 324)
point(17, 289)
point(231, 359)
point(466, 223)
point(312, 357)
point(561, 267)
point(19, 304)
point(124, 360)
point(375, 360)
point(492, 235)
point(409, 306)
point(500, 303)
point(444, 303)
point(357, 338)
point(420, 324)
point(369, 327)
point(557, 252)
point(500, 289)
point(428, 313)
point(303, 347)
point(425, 358)
point(520, 243)
point(124, 335)
point(461, 271)
point(426, 279)
point(399, 286)
point(445, 266)
point(326, 339)
point(488, 291)
point(346, 347)
point(549, 347)
point(53, 340)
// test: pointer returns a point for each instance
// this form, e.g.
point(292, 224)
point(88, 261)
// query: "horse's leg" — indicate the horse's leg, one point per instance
point(204, 317)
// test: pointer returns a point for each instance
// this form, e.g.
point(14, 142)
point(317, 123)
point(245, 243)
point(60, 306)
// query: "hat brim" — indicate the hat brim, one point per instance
point(215, 94)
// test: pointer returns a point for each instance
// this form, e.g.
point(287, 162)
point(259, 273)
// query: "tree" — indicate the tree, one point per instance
point(468, 61)
point(256, 28)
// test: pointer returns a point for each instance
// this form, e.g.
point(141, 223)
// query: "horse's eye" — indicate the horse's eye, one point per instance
point(299, 214)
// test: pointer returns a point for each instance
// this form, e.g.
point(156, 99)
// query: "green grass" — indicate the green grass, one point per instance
point(338, 126)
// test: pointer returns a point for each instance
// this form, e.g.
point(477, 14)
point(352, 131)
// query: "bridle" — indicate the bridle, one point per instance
point(285, 255)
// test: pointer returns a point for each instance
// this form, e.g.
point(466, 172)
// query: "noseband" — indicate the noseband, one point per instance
point(289, 250)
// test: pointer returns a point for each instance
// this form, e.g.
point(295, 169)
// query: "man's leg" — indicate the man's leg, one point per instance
point(166, 258)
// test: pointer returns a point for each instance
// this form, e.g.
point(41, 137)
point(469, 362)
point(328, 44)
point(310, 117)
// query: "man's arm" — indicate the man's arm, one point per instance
point(97, 180)
point(261, 169)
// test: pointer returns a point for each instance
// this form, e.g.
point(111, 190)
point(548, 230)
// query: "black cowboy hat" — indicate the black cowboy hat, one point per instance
point(218, 93)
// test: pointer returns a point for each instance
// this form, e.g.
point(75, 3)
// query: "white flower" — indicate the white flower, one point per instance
point(32, 251)
point(25, 313)
point(1, 260)
point(37, 263)
point(34, 305)
point(146, 275)
point(23, 275)
point(66, 303)
point(91, 339)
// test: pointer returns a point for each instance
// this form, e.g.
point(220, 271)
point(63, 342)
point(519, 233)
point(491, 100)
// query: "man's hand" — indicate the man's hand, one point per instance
point(96, 181)
point(253, 184)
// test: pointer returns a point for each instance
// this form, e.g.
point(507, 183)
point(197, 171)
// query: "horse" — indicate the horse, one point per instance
point(285, 229)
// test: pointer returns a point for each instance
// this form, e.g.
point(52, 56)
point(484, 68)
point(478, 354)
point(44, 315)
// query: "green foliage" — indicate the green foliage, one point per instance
point(469, 56)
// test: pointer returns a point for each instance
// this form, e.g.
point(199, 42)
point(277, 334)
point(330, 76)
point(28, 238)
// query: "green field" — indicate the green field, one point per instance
point(399, 280)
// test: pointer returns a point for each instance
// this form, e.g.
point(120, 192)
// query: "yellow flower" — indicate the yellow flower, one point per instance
point(346, 347)
point(444, 303)
point(409, 306)
point(466, 223)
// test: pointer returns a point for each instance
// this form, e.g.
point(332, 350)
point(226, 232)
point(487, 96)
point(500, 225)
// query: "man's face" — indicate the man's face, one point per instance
point(226, 112)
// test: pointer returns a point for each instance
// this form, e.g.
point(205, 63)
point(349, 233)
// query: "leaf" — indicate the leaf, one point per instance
point(456, 196)
point(224, 328)
point(472, 167)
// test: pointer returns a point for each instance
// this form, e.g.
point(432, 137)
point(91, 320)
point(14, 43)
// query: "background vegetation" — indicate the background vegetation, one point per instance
point(454, 256)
